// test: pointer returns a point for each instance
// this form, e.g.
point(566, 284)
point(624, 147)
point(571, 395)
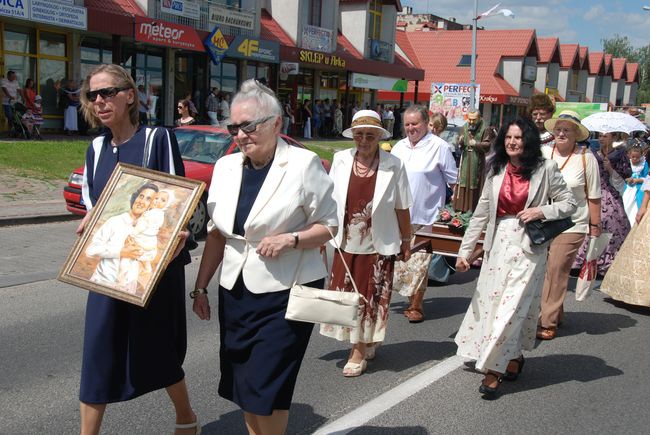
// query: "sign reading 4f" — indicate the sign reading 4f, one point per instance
point(248, 47)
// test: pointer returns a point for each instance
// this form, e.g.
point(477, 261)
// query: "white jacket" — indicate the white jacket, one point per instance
point(392, 193)
point(296, 193)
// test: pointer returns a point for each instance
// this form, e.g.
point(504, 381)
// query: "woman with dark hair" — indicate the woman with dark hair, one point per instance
point(185, 111)
point(521, 187)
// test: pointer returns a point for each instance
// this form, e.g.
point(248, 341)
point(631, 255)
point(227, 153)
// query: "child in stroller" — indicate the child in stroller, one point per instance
point(32, 118)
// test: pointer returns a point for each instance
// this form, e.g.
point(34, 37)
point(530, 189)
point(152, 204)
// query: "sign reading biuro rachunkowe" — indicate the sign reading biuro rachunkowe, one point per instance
point(321, 59)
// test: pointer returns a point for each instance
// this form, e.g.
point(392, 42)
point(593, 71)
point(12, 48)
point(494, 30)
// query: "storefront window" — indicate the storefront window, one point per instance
point(19, 42)
point(224, 76)
point(51, 74)
point(52, 44)
point(149, 73)
point(39, 55)
point(23, 66)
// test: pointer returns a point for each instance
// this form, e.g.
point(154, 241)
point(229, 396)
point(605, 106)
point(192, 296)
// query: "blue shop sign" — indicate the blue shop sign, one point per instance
point(15, 8)
point(243, 47)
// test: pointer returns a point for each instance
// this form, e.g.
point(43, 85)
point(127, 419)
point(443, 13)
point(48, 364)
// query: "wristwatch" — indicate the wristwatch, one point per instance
point(199, 291)
point(296, 239)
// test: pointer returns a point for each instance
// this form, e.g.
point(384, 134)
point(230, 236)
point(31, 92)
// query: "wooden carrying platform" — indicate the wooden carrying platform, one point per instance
point(439, 239)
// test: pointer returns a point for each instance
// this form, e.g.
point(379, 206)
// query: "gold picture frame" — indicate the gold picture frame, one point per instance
point(132, 233)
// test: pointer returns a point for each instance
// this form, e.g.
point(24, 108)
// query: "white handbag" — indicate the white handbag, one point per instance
point(313, 305)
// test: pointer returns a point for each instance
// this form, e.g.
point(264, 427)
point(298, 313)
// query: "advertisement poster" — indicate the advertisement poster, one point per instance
point(182, 8)
point(216, 45)
point(317, 39)
point(452, 100)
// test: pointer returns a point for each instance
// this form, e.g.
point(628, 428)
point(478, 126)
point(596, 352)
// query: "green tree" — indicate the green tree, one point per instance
point(620, 46)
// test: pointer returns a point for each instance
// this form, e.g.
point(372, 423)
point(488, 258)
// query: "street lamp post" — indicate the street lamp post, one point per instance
point(472, 77)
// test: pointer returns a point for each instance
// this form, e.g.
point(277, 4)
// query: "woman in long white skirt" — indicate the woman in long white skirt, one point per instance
point(521, 187)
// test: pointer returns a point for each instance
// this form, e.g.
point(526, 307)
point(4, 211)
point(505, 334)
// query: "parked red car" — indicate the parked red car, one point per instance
point(201, 146)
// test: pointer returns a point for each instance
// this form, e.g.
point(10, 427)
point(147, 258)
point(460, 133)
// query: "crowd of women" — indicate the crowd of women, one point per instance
point(272, 209)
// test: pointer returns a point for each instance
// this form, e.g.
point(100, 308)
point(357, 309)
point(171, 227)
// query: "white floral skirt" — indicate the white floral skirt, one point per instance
point(502, 317)
point(412, 276)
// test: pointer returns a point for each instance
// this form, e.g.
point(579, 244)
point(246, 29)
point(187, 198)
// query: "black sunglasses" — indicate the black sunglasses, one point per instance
point(247, 127)
point(104, 92)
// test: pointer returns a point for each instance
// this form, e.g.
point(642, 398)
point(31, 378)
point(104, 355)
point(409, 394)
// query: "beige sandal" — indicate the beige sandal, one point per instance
point(371, 350)
point(196, 425)
point(351, 369)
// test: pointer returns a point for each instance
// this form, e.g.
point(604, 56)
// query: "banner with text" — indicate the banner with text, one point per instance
point(182, 8)
point(243, 47)
point(378, 82)
point(317, 38)
point(173, 35)
point(226, 17)
point(55, 13)
point(452, 100)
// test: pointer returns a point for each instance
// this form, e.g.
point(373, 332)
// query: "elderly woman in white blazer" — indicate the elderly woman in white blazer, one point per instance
point(521, 187)
point(269, 207)
point(372, 193)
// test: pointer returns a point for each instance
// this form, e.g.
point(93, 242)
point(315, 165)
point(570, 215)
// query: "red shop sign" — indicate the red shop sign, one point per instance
point(168, 34)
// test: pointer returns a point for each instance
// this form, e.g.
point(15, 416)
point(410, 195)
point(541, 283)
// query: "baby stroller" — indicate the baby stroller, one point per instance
point(17, 127)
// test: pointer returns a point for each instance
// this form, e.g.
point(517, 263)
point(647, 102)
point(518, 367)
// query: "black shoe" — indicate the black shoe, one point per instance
point(490, 393)
point(512, 376)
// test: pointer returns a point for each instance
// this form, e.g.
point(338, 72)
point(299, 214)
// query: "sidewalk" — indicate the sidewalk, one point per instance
point(26, 200)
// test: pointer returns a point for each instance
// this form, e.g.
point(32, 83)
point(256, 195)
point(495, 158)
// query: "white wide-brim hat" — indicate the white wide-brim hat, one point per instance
point(366, 119)
point(573, 118)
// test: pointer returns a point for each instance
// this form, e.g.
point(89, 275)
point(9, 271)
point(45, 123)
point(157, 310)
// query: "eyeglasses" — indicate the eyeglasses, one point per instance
point(247, 127)
point(104, 92)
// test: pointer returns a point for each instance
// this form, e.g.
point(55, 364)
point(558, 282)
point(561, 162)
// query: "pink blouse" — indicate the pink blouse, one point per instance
point(514, 192)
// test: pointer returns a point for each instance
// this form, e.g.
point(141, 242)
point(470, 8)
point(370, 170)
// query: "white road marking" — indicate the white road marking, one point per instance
point(387, 400)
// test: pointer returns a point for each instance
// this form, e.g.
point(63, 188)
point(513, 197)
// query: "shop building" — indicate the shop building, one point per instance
point(37, 41)
point(548, 67)
point(506, 73)
point(619, 77)
point(599, 80)
point(631, 84)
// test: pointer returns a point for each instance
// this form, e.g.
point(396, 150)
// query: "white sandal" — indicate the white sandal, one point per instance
point(196, 425)
point(351, 369)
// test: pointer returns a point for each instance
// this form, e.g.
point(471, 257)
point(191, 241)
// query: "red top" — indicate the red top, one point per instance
point(514, 192)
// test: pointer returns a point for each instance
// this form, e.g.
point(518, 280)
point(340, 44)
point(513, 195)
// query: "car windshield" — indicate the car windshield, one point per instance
point(202, 146)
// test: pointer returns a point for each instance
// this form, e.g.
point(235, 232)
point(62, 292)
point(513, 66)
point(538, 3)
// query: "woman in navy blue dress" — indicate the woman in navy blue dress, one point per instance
point(128, 350)
point(270, 207)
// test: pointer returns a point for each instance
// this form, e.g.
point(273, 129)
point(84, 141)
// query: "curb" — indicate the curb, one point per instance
point(8, 221)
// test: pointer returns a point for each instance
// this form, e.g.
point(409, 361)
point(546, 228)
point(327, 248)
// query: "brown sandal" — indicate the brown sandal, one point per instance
point(414, 315)
point(546, 333)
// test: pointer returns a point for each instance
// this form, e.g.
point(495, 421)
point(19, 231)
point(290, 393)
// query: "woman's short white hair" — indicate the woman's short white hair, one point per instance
point(268, 104)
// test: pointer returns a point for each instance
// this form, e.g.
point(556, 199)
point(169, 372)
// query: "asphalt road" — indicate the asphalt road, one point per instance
point(591, 379)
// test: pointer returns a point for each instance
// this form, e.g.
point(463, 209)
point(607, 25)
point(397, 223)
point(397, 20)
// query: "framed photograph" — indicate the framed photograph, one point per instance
point(132, 233)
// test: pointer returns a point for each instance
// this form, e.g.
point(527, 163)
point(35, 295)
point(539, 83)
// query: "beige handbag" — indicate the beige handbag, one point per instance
point(313, 305)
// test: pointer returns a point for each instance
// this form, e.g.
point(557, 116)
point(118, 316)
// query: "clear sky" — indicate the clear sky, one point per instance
point(585, 22)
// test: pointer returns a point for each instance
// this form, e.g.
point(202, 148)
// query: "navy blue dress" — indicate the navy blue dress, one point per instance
point(129, 350)
point(260, 352)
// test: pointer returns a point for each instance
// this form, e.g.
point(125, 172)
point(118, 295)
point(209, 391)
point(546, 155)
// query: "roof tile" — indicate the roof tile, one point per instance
point(632, 72)
point(547, 49)
point(618, 67)
point(121, 7)
point(438, 54)
point(569, 56)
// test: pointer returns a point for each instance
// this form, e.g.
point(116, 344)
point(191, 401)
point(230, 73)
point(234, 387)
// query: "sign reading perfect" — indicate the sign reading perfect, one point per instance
point(321, 59)
point(452, 100)
point(168, 34)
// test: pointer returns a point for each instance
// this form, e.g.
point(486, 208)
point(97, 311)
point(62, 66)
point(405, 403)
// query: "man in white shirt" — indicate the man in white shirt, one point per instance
point(430, 167)
point(224, 110)
point(10, 93)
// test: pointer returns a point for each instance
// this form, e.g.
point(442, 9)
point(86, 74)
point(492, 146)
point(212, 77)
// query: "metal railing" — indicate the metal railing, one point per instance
point(203, 23)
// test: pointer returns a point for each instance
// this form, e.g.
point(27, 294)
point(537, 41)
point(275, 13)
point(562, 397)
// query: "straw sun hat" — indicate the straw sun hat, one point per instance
point(573, 118)
point(366, 119)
